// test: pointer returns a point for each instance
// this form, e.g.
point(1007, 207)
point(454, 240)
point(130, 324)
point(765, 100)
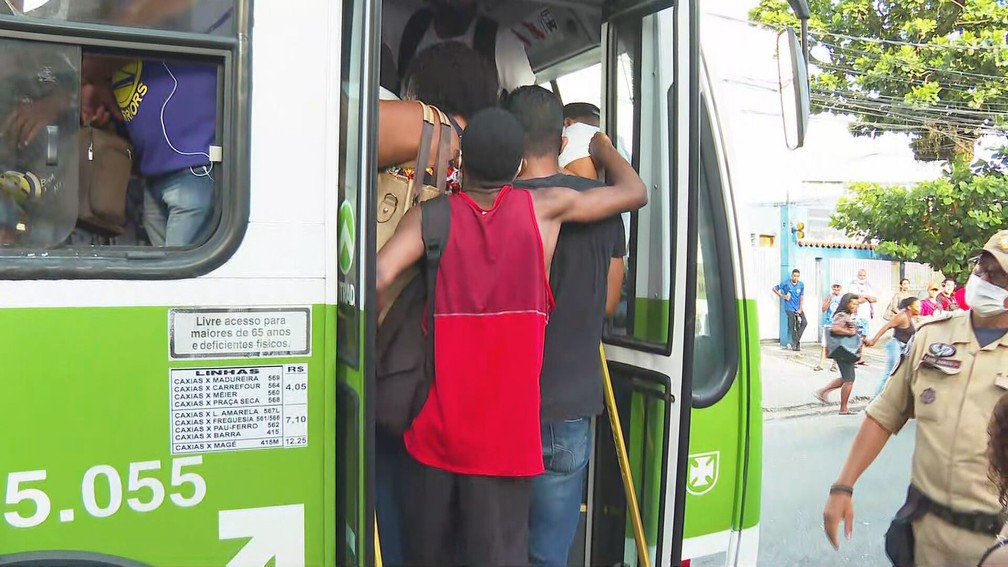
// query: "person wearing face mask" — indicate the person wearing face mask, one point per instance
point(949, 378)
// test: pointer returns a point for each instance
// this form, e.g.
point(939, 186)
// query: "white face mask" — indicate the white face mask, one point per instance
point(987, 299)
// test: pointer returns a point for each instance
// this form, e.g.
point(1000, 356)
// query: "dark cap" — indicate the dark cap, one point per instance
point(492, 146)
point(578, 109)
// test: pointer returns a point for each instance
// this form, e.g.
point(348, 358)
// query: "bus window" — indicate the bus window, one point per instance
point(643, 314)
point(581, 86)
point(38, 143)
point(109, 144)
point(200, 16)
point(715, 350)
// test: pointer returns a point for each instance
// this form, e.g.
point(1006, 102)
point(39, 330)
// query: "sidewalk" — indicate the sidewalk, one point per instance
point(789, 381)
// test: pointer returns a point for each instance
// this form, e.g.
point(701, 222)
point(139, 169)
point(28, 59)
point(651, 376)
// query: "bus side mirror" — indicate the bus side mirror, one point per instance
point(794, 87)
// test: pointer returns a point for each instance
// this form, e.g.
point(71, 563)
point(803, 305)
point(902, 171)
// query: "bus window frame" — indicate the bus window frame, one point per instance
point(635, 15)
point(234, 57)
point(715, 191)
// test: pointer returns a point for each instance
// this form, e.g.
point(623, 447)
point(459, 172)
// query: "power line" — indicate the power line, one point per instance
point(988, 109)
point(867, 74)
point(866, 38)
point(878, 56)
point(869, 39)
point(888, 112)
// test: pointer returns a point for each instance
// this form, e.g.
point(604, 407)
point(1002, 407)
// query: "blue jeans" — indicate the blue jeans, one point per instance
point(893, 350)
point(391, 463)
point(556, 494)
point(178, 206)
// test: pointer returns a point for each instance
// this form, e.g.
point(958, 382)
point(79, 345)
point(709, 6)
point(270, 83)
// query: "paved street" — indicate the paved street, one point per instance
point(802, 457)
point(805, 444)
point(789, 381)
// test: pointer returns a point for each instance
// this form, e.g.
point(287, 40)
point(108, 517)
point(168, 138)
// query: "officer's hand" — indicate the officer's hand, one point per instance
point(839, 506)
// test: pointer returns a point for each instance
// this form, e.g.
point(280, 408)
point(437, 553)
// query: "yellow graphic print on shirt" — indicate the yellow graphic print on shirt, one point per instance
point(129, 91)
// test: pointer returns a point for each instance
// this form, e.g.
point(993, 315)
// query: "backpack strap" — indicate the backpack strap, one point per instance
point(485, 41)
point(435, 222)
point(414, 31)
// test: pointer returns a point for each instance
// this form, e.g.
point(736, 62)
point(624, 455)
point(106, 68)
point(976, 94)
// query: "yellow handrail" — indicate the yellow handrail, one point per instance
point(377, 545)
point(624, 464)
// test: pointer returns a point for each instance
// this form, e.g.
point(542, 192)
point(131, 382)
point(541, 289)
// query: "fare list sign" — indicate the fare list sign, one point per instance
point(242, 407)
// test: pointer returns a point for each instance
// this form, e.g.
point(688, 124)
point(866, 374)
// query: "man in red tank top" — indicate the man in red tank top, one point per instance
point(476, 443)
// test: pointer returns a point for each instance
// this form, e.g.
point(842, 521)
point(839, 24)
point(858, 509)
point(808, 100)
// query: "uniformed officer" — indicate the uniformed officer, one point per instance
point(953, 372)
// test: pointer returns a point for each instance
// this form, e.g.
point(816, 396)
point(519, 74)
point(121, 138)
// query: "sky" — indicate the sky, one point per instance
point(744, 75)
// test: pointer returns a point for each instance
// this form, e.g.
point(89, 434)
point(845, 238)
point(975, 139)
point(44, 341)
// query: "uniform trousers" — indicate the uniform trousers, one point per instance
point(466, 519)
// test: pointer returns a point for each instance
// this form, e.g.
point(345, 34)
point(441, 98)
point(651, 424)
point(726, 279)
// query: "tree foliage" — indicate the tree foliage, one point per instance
point(934, 69)
point(942, 222)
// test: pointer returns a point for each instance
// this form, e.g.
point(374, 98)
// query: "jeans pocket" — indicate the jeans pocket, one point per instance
point(568, 449)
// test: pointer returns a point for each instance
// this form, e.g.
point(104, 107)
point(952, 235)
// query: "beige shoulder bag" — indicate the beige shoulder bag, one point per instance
point(398, 193)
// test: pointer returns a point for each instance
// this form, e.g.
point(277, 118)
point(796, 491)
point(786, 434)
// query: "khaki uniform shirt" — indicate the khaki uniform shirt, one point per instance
point(950, 385)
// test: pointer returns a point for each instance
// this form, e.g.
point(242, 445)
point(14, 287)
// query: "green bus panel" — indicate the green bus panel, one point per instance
point(721, 494)
point(86, 461)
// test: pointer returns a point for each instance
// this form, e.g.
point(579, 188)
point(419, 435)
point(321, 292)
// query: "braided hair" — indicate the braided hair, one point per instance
point(997, 449)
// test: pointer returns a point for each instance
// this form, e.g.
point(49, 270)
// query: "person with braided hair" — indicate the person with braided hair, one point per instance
point(997, 453)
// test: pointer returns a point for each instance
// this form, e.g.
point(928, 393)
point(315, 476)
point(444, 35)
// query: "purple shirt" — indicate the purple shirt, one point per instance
point(170, 112)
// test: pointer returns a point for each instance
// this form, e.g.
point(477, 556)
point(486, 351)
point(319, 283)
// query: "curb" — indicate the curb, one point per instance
point(856, 405)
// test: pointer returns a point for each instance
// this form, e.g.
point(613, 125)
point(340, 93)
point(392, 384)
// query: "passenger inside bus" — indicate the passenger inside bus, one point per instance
point(433, 80)
point(168, 111)
point(147, 137)
point(476, 444)
point(586, 276)
point(409, 27)
point(581, 121)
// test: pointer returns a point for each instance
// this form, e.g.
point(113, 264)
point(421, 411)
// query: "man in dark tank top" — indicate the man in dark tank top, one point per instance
point(587, 266)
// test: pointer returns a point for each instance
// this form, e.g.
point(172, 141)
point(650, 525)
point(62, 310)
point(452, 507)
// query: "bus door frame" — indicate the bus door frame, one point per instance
point(667, 365)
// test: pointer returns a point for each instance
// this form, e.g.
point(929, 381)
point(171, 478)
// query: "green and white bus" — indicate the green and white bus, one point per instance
point(212, 405)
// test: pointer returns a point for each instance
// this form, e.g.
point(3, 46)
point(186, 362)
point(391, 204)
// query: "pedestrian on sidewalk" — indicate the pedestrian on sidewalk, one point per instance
point(894, 304)
point(929, 305)
point(829, 307)
point(950, 380)
point(792, 293)
point(866, 308)
point(947, 298)
point(903, 328)
point(843, 343)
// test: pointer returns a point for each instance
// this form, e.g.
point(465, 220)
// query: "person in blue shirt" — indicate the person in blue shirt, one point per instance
point(792, 293)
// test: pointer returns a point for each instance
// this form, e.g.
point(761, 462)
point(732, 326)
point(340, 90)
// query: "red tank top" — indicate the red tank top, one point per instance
point(492, 302)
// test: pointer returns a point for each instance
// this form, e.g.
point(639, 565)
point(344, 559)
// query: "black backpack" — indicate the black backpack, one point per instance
point(404, 366)
point(484, 40)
